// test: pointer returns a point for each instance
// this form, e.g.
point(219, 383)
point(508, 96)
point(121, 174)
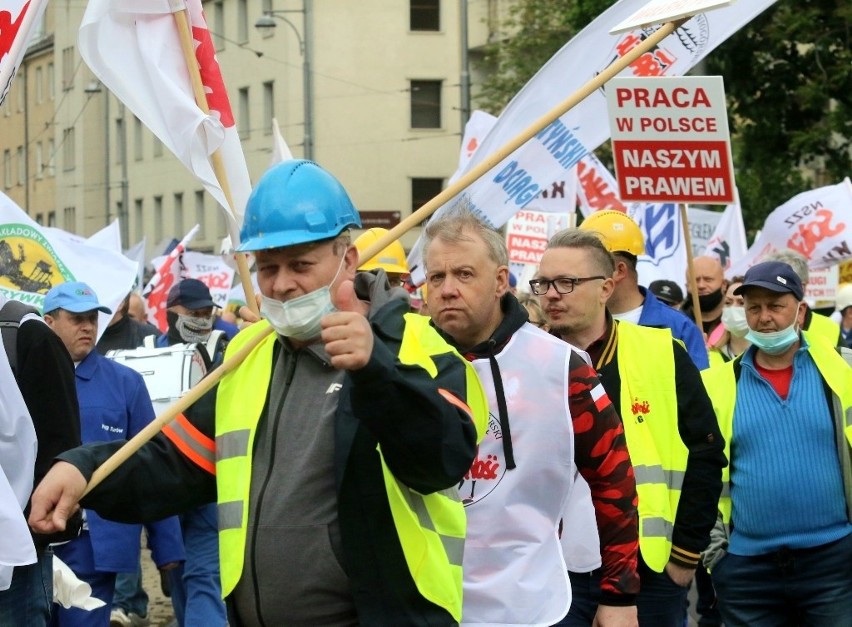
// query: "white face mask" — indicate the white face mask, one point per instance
point(194, 330)
point(299, 318)
point(734, 319)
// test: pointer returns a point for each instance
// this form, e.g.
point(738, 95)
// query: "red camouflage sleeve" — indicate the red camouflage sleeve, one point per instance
point(602, 459)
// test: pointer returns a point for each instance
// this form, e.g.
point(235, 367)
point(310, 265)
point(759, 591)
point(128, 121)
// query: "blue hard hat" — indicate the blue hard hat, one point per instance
point(295, 202)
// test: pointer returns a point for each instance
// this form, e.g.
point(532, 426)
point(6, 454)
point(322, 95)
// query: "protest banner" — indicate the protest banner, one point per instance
point(670, 139)
point(156, 291)
point(508, 180)
point(702, 225)
point(34, 259)
point(815, 223)
point(596, 187)
point(212, 270)
point(18, 19)
point(527, 234)
point(821, 290)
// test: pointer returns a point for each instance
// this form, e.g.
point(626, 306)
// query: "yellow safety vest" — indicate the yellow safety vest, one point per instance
point(721, 385)
point(823, 329)
point(431, 527)
point(649, 414)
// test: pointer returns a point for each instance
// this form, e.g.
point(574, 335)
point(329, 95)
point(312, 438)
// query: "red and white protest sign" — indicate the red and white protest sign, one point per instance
point(670, 139)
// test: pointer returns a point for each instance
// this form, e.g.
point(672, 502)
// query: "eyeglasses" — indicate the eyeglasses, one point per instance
point(562, 285)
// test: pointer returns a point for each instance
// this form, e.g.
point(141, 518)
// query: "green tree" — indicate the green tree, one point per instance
point(788, 78)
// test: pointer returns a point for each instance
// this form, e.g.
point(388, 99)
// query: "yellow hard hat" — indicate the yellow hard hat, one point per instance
point(391, 259)
point(617, 230)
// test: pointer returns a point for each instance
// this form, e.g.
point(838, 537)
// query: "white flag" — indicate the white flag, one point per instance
point(108, 237)
point(18, 19)
point(728, 242)
point(513, 183)
point(478, 126)
point(137, 253)
point(815, 223)
point(34, 259)
point(280, 149)
point(132, 46)
point(665, 246)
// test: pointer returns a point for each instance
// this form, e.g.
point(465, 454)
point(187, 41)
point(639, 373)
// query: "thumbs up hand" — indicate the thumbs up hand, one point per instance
point(346, 332)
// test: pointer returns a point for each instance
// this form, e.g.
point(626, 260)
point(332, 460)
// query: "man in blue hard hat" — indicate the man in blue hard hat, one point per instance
point(339, 441)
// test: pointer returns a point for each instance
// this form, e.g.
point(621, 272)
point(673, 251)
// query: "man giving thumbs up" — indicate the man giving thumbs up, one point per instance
point(336, 445)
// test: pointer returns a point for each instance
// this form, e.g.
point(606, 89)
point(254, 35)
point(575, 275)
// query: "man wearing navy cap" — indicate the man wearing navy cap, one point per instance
point(191, 319)
point(782, 551)
point(114, 405)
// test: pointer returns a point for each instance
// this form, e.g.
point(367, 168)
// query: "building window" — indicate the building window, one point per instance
point(424, 190)
point(425, 104)
point(39, 161)
point(21, 100)
point(138, 139)
point(51, 158)
point(68, 68)
point(158, 146)
point(68, 150)
point(7, 168)
point(158, 219)
point(425, 15)
point(242, 21)
point(69, 215)
point(200, 218)
point(219, 24)
point(22, 166)
point(221, 227)
point(244, 122)
point(39, 218)
point(179, 213)
point(119, 140)
point(51, 218)
point(51, 78)
point(268, 106)
point(139, 218)
point(39, 85)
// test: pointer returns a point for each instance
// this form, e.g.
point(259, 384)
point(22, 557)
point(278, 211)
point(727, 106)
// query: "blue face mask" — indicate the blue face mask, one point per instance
point(774, 342)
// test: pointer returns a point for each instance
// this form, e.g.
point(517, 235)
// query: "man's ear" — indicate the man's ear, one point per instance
point(351, 260)
point(502, 280)
point(49, 320)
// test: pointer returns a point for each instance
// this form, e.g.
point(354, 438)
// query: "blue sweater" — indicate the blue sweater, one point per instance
point(786, 481)
point(657, 314)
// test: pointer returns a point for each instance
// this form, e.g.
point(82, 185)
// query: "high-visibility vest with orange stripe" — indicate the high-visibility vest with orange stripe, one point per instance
point(649, 414)
point(721, 384)
point(431, 527)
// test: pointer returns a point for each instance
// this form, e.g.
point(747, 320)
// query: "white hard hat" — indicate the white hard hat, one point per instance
point(844, 297)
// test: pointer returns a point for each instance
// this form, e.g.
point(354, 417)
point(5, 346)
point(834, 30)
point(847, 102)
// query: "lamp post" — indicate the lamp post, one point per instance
point(95, 88)
point(266, 24)
point(92, 88)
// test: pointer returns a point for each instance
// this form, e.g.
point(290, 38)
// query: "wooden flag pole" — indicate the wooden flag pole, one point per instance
point(182, 22)
point(512, 145)
point(180, 405)
point(690, 268)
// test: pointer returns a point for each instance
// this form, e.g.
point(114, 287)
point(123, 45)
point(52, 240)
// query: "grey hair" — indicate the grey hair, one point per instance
point(795, 260)
point(457, 225)
point(588, 240)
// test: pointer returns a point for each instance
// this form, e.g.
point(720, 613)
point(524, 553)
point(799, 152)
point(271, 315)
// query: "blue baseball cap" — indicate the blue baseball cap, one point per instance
point(73, 296)
point(775, 276)
point(191, 293)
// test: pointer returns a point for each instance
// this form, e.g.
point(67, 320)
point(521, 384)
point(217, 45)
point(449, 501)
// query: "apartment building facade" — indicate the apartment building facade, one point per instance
point(383, 112)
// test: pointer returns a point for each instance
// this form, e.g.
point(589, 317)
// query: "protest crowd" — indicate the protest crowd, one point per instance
point(607, 434)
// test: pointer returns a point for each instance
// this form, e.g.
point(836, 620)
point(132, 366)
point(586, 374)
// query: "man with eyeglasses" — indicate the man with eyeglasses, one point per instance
point(672, 435)
point(549, 420)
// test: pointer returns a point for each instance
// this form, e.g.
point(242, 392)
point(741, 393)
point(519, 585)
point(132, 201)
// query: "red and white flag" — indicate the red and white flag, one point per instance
point(597, 188)
point(18, 19)
point(169, 273)
point(133, 47)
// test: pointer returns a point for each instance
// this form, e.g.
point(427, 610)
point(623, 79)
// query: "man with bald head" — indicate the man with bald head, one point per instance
point(711, 285)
